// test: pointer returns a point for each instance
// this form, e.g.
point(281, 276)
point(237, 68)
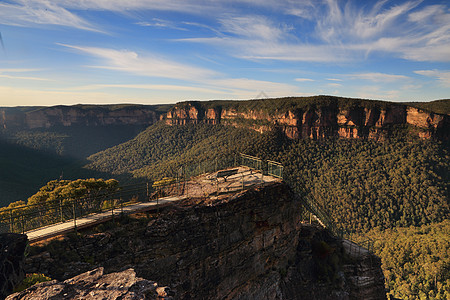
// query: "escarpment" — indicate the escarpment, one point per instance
point(316, 121)
point(299, 118)
point(46, 117)
point(248, 245)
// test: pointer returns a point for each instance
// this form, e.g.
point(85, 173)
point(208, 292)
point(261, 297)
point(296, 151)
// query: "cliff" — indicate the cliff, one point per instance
point(322, 118)
point(12, 258)
point(309, 117)
point(249, 245)
point(78, 115)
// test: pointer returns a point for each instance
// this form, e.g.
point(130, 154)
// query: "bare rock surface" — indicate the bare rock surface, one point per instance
point(97, 285)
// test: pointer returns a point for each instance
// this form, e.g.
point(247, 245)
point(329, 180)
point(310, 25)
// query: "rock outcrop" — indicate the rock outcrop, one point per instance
point(317, 122)
point(46, 117)
point(328, 268)
point(240, 246)
point(12, 258)
point(97, 285)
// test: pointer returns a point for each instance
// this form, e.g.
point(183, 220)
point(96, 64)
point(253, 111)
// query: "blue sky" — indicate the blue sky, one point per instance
point(164, 51)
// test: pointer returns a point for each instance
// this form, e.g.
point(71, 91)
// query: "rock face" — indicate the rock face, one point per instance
point(12, 249)
point(328, 268)
point(76, 116)
point(317, 122)
point(97, 285)
point(243, 246)
point(221, 250)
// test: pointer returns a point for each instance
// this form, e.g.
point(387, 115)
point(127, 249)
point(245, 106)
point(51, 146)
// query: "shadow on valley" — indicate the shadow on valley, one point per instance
point(25, 170)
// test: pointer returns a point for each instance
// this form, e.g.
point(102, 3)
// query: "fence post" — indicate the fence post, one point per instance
point(23, 225)
point(242, 174)
point(11, 222)
point(60, 209)
point(147, 193)
point(74, 215)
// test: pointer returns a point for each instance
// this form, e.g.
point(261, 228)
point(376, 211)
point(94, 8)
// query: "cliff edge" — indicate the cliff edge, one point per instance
point(248, 245)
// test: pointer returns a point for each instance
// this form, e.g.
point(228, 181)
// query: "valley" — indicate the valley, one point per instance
point(376, 167)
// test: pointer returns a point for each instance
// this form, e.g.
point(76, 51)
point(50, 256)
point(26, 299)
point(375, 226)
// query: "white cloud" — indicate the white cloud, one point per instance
point(334, 85)
point(378, 77)
point(22, 77)
point(5, 73)
point(31, 13)
point(159, 23)
point(303, 79)
point(160, 87)
point(146, 65)
point(248, 88)
point(442, 76)
point(253, 27)
point(377, 92)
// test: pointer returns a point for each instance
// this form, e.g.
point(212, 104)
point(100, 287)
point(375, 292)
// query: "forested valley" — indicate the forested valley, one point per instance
point(394, 191)
point(382, 190)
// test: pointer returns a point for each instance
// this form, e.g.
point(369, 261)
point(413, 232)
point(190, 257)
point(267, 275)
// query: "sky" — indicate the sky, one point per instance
point(67, 52)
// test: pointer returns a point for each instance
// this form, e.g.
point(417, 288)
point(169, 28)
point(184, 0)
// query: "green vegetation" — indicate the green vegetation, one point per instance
point(68, 190)
point(415, 260)
point(395, 191)
point(366, 184)
point(24, 171)
point(160, 150)
point(289, 103)
point(30, 280)
point(73, 141)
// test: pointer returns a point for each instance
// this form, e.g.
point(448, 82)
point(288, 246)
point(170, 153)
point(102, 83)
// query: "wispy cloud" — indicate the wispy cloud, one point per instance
point(303, 79)
point(23, 77)
point(442, 76)
point(153, 66)
point(144, 64)
point(341, 32)
point(160, 87)
point(160, 23)
point(31, 13)
point(378, 77)
point(244, 87)
point(6, 73)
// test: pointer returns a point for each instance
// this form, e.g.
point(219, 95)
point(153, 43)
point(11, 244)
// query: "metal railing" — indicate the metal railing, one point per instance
point(29, 217)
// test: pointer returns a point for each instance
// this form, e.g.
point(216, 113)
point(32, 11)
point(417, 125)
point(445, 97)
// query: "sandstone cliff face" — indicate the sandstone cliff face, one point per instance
point(245, 246)
point(221, 250)
point(318, 123)
point(76, 116)
point(12, 258)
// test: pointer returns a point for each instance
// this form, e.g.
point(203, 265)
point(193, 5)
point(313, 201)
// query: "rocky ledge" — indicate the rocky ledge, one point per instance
point(97, 285)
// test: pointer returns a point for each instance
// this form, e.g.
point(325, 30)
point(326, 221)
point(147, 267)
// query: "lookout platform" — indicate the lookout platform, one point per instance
point(211, 185)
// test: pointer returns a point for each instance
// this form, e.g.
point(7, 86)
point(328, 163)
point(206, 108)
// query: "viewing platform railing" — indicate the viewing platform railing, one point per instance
point(29, 217)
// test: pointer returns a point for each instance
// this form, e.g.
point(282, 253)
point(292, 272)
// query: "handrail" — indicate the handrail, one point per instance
point(28, 217)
